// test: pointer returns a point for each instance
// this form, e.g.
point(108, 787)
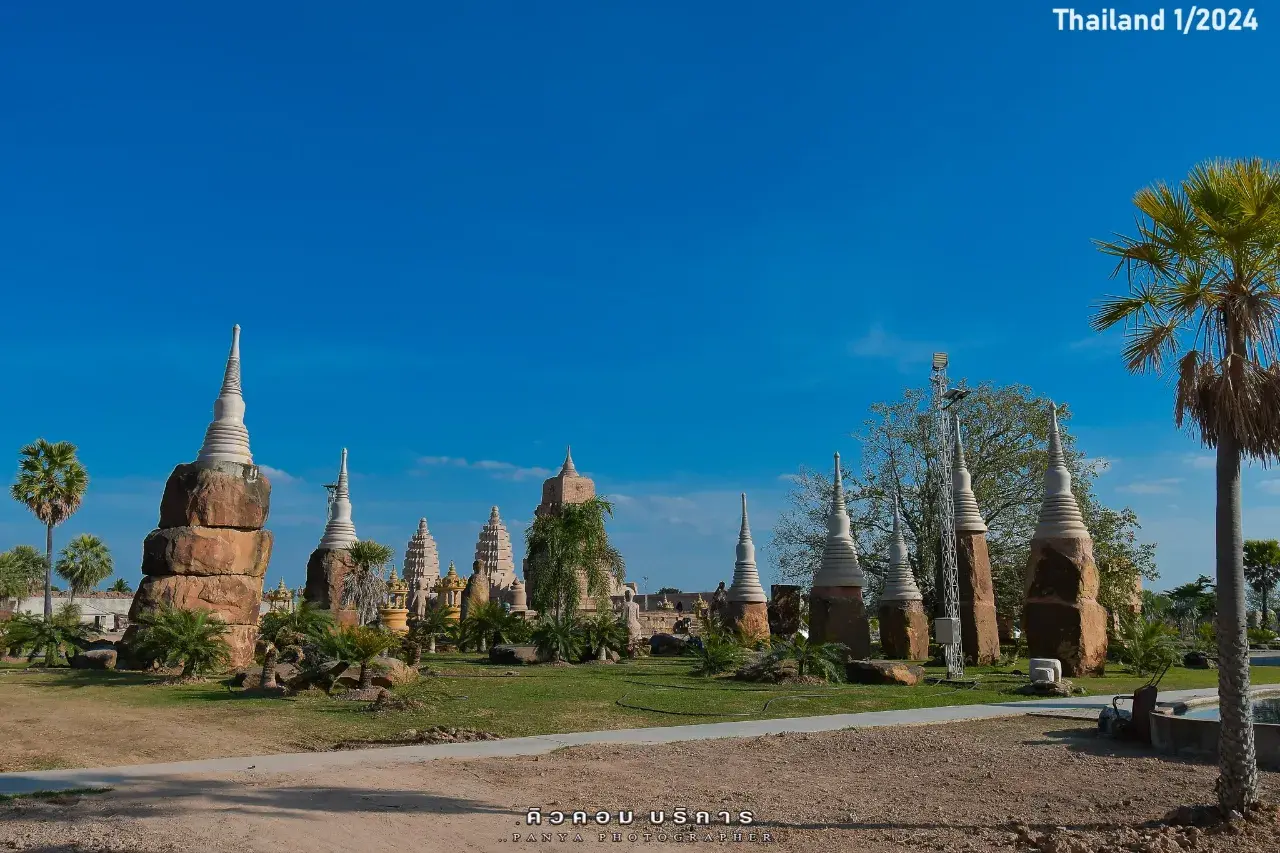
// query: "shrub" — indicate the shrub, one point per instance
point(1261, 636)
point(558, 638)
point(823, 660)
point(61, 635)
point(192, 638)
point(717, 653)
point(1147, 645)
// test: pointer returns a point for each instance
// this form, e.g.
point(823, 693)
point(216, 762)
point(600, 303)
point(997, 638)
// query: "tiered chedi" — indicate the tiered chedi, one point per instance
point(748, 608)
point(449, 593)
point(493, 551)
point(904, 628)
point(421, 569)
point(837, 613)
point(1062, 616)
point(210, 550)
point(568, 487)
point(329, 563)
point(979, 632)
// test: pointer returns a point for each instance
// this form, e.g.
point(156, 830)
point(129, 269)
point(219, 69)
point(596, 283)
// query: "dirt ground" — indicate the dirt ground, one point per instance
point(976, 786)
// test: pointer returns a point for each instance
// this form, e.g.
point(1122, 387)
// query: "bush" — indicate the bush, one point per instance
point(61, 635)
point(558, 638)
point(192, 638)
point(717, 653)
point(1147, 646)
point(822, 660)
point(1261, 636)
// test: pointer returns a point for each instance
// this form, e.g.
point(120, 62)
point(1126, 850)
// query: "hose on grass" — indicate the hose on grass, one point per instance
point(763, 709)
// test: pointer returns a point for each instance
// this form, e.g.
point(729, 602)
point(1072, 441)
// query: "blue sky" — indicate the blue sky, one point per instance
point(695, 240)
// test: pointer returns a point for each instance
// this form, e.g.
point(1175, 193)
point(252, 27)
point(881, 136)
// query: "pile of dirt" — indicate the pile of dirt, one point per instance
point(388, 702)
point(1199, 828)
point(373, 694)
point(411, 737)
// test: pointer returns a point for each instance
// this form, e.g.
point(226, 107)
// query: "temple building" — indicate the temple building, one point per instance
point(421, 569)
point(493, 552)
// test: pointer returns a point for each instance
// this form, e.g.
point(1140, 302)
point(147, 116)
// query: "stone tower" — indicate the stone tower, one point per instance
point(421, 569)
point(748, 608)
point(904, 628)
point(1062, 617)
point(449, 593)
point(568, 487)
point(979, 634)
point(493, 551)
point(330, 562)
point(210, 550)
point(837, 613)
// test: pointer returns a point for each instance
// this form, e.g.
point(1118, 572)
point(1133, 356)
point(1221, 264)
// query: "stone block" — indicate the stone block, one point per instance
point(206, 551)
point(513, 655)
point(326, 570)
point(1053, 665)
point(979, 632)
point(838, 615)
point(883, 672)
point(218, 494)
point(904, 630)
point(234, 598)
point(1062, 569)
point(666, 645)
point(751, 618)
point(784, 610)
point(94, 659)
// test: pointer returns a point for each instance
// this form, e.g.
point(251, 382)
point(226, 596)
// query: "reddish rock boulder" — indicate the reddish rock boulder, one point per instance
point(883, 672)
point(219, 494)
point(904, 630)
point(235, 599)
point(979, 633)
point(325, 573)
point(751, 618)
point(838, 615)
point(206, 551)
point(1062, 616)
point(784, 609)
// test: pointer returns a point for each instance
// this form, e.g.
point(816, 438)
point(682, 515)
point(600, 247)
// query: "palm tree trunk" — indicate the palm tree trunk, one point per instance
point(268, 679)
point(188, 669)
point(415, 654)
point(366, 675)
point(1237, 762)
point(602, 654)
point(431, 644)
point(48, 573)
point(482, 645)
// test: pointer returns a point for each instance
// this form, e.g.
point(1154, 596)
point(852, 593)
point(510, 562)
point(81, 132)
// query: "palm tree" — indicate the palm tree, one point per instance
point(566, 546)
point(603, 632)
point(558, 638)
point(484, 623)
point(193, 638)
point(825, 660)
point(367, 643)
point(51, 483)
point(364, 587)
point(61, 634)
point(21, 571)
point(434, 623)
point(289, 629)
point(121, 585)
point(1203, 303)
point(1147, 645)
point(84, 563)
point(1262, 571)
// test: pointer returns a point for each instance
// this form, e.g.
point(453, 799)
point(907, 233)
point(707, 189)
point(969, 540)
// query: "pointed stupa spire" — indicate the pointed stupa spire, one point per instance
point(1059, 513)
point(899, 582)
point(968, 516)
point(746, 578)
point(339, 532)
point(567, 469)
point(840, 556)
point(226, 439)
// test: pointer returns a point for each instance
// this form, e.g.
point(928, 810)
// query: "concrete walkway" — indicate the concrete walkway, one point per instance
point(115, 777)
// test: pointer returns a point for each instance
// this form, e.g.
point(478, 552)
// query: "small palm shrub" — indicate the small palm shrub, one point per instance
point(366, 643)
point(287, 633)
point(425, 632)
point(1147, 646)
point(483, 624)
point(558, 638)
point(192, 638)
point(603, 632)
point(1261, 636)
point(822, 660)
point(61, 635)
point(718, 652)
point(1205, 638)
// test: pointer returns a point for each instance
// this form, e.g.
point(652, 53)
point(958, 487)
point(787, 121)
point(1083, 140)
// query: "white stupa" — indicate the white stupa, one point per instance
point(226, 439)
point(567, 469)
point(899, 581)
point(339, 532)
point(493, 551)
point(421, 559)
point(1060, 516)
point(746, 579)
point(968, 516)
point(840, 556)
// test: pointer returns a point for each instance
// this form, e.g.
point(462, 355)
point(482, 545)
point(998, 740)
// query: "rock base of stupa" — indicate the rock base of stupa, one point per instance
point(837, 614)
point(904, 630)
point(751, 618)
point(326, 570)
point(210, 552)
point(1062, 616)
point(784, 610)
point(476, 593)
point(979, 633)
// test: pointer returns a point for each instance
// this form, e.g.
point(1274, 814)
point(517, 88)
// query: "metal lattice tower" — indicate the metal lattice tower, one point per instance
point(946, 504)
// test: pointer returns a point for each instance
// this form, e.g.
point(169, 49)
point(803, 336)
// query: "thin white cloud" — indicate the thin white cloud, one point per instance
point(278, 476)
point(1165, 486)
point(1271, 487)
point(1200, 461)
point(502, 470)
point(878, 343)
point(789, 478)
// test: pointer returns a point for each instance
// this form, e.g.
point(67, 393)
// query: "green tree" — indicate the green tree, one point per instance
point(366, 643)
point(566, 547)
point(290, 630)
point(1005, 431)
point(558, 638)
point(1193, 603)
point(434, 624)
point(364, 587)
point(668, 590)
point(84, 563)
point(1262, 571)
point(1203, 305)
point(62, 634)
point(484, 624)
point(825, 660)
point(1147, 645)
point(22, 570)
point(51, 483)
point(193, 639)
point(121, 585)
point(604, 631)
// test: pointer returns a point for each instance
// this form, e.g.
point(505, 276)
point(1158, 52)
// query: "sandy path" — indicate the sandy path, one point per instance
point(946, 787)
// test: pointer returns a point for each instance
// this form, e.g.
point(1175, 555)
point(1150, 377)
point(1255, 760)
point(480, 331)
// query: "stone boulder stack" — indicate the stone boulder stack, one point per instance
point(904, 627)
point(748, 608)
point(211, 549)
point(837, 613)
point(979, 633)
point(1062, 617)
point(329, 563)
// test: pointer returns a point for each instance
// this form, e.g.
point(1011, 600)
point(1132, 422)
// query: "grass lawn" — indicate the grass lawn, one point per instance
point(76, 718)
